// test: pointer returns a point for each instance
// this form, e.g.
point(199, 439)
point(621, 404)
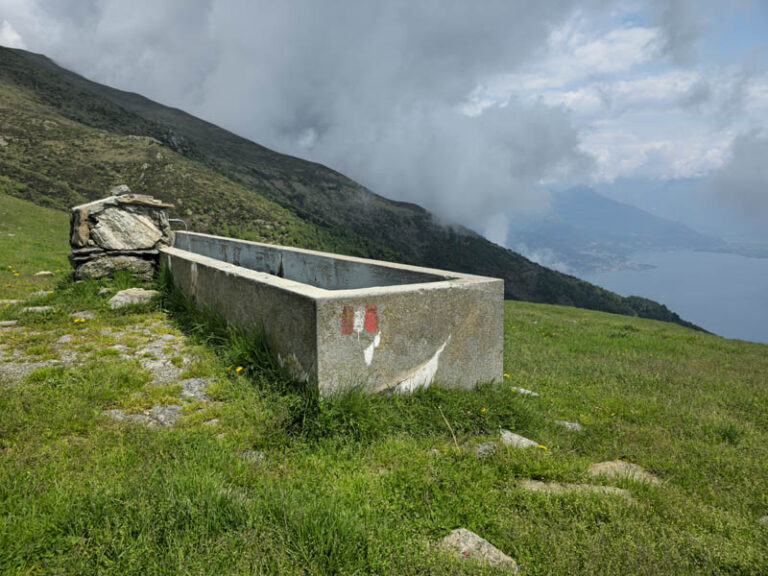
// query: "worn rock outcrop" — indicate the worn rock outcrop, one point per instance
point(121, 232)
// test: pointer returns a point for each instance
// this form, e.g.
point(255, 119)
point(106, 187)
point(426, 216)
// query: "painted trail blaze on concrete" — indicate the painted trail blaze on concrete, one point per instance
point(371, 319)
point(357, 320)
point(347, 320)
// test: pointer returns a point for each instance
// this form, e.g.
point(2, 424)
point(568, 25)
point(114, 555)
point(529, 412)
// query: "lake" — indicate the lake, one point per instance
point(724, 293)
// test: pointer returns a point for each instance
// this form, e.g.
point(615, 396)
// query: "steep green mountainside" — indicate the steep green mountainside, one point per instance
point(66, 139)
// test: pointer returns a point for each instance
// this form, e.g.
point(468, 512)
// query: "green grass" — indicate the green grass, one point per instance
point(359, 484)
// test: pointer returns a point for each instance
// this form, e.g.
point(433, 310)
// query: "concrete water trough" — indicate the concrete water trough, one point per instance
point(342, 321)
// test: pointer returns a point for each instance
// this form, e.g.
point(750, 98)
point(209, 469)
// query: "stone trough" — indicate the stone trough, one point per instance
point(343, 321)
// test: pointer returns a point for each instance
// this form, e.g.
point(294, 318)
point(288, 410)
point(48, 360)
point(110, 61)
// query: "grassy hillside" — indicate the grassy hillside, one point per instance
point(263, 477)
point(67, 138)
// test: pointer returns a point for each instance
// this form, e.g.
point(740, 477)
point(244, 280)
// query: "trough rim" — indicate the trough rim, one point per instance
point(449, 280)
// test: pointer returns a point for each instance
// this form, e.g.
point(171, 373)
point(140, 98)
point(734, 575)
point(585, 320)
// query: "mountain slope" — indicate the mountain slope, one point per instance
point(224, 183)
point(589, 232)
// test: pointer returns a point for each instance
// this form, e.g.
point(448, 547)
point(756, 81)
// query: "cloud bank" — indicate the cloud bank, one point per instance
point(469, 109)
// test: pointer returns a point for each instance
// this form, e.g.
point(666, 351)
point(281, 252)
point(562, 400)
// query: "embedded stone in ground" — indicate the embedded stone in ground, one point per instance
point(43, 273)
point(575, 426)
point(525, 392)
point(194, 389)
point(565, 488)
point(763, 520)
point(253, 456)
point(484, 449)
point(36, 309)
point(7, 323)
point(103, 291)
point(9, 302)
point(66, 339)
point(83, 314)
point(165, 416)
point(622, 469)
point(132, 296)
point(509, 438)
point(465, 545)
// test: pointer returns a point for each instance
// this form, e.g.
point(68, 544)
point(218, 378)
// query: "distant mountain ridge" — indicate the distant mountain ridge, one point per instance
point(587, 232)
point(98, 136)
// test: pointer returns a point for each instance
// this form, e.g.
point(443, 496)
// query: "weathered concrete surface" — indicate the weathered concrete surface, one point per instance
point(122, 231)
point(326, 321)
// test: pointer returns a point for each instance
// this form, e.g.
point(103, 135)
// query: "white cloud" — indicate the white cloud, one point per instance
point(9, 37)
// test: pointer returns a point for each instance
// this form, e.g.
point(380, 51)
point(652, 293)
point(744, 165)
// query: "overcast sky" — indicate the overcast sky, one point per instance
point(472, 109)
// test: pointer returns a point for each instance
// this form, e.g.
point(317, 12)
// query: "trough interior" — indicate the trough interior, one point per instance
point(315, 269)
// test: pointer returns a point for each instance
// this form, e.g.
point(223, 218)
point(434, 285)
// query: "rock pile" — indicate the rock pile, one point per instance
point(123, 231)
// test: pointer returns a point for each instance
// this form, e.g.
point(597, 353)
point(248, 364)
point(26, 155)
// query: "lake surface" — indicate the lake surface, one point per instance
point(724, 293)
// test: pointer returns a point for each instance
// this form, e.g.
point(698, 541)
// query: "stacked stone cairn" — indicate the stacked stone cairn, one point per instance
point(121, 232)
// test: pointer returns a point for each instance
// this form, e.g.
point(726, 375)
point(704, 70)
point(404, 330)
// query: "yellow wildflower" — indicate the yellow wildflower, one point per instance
point(506, 375)
point(543, 447)
point(239, 369)
point(482, 409)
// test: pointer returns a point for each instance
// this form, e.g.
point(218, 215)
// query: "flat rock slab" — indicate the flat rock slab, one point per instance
point(83, 314)
point(484, 449)
point(622, 469)
point(253, 456)
point(132, 296)
point(194, 389)
point(36, 309)
point(465, 545)
point(164, 416)
point(575, 426)
point(7, 323)
point(509, 438)
point(565, 488)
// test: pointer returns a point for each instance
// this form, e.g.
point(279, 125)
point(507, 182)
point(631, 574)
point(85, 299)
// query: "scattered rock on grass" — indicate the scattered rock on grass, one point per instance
point(575, 426)
point(194, 389)
point(83, 314)
point(165, 416)
point(484, 449)
point(132, 296)
point(763, 520)
point(66, 339)
point(560, 488)
point(509, 438)
point(252, 456)
point(622, 469)
point(9, 302)
point(43, 273)
point(7, 323)
point(466, 545)
point(525, 392)
point(103, 291)
point(36, 309)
